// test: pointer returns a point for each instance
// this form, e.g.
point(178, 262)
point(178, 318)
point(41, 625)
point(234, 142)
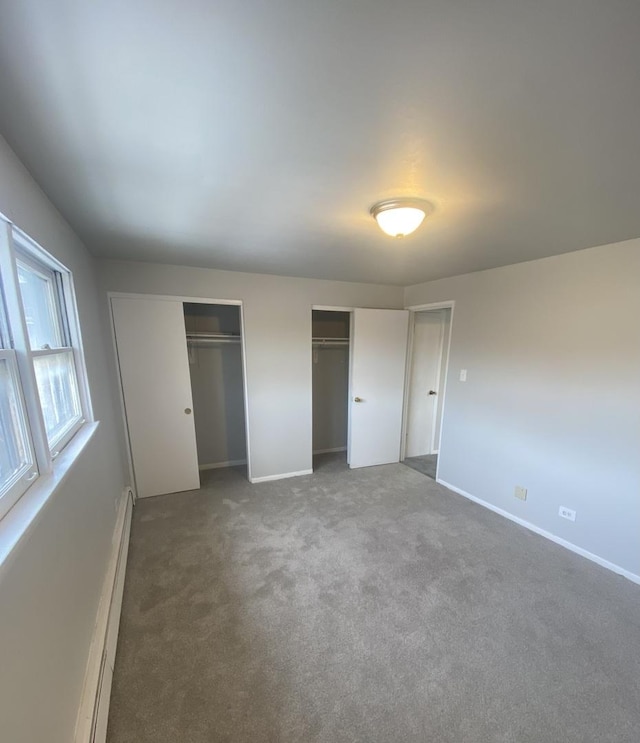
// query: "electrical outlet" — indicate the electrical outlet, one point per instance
point(520, 492)
point(567, 513)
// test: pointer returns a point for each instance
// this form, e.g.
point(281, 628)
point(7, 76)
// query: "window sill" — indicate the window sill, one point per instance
point(24, 514)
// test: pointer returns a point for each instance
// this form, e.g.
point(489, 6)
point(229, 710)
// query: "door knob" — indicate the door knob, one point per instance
point(432, 392)
point(357, 399)
point(187, 411)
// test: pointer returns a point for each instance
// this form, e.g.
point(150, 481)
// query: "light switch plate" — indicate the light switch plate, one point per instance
point(463, 375)
point(520, 492)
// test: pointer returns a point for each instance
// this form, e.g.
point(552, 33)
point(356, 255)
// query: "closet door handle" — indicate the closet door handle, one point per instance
point(187, 411)
point(357, 399)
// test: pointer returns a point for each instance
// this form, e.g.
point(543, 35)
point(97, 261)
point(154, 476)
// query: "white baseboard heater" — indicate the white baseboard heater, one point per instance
point(91, 726)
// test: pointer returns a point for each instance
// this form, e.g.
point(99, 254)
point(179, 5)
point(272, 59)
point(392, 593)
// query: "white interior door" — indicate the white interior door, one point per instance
point(154, 369)
point(378, 357)
point(424, 381)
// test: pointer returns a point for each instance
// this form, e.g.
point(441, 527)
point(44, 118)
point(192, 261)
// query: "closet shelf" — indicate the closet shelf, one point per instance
point(207, 338)
point(330, 341)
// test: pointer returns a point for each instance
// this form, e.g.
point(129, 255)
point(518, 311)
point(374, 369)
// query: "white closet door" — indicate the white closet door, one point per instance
point(154, 369)
point(378, 357)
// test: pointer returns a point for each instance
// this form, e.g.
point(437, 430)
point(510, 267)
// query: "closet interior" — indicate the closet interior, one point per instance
point(216, 371)
point(330, 379)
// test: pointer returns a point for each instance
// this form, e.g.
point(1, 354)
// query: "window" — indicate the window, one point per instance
point(53, 358)
point(16, 452)
point(43, 393)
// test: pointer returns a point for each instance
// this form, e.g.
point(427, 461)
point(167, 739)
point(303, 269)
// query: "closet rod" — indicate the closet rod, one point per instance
point(330, 341)
point(212, 338)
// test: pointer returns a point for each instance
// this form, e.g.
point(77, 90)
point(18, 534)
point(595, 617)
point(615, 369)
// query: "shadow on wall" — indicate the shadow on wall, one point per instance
point(218, 403)
point(217, 385)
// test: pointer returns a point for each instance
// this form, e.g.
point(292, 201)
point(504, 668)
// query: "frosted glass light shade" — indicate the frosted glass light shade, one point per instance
point(400, 217)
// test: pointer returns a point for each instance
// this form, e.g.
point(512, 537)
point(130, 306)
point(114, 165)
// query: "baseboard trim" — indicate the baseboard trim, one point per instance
point(330, 451)
point(546, 534)
point(219, 465)
point(283, 476)
point(91, 726)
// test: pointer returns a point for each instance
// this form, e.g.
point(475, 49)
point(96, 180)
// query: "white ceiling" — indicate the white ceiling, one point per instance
point(255, 135)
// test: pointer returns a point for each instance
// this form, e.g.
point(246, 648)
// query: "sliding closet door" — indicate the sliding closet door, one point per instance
point(154, 370)
point(378, 360)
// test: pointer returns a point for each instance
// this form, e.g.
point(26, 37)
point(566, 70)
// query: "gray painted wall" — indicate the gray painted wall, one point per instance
point(552, 350)
point(330, 397)
point(216, 385)
point(50, 584)
point(218, 403)
point(277, 330)
point(330, 381)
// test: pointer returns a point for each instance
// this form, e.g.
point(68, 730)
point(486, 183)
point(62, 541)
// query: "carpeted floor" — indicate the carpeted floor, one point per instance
point(365, 606)
point(427, 464)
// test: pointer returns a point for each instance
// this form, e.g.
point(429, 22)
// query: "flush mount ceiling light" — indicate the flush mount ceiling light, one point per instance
point(400, 217)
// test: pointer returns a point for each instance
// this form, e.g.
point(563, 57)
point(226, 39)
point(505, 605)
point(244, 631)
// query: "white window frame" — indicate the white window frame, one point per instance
point(50, 274)
point(16, 245)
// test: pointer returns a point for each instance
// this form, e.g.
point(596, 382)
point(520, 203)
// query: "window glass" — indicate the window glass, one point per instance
point(58, 390)
point(39, 299)
point(15, 454)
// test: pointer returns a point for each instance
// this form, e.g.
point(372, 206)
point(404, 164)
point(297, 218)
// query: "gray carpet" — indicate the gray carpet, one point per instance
point(426, 464)
point(366, 606)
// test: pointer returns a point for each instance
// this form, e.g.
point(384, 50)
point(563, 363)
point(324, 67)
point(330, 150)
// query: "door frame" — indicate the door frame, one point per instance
point(191, 300)
point(331, 308)
point(413, 310)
